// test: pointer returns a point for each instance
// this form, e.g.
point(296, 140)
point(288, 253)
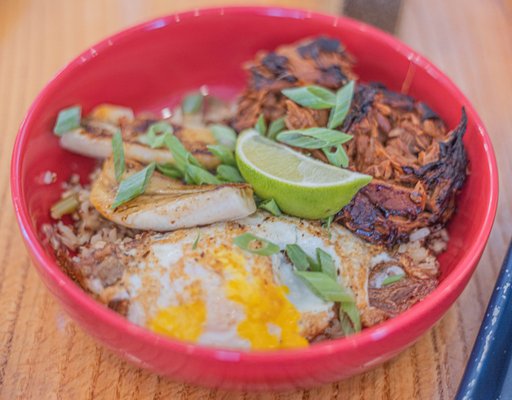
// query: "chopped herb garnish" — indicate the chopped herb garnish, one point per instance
point(326, 263)
point(275, 127)
point(255, 244)
point(340, 110)
point(118, 152)
point(313, 138)
point(192, 103)
point(338, 157)
point(196, 241)
point(322, 279)
point(223, 153)
point(298, 257)
point(67, 205)
point(67, 120)
point(261, 125)
point(325, 287)
point(133, 186)
point(200, 176)
point(156, 133)
point(224, 135)
point(392, 279)
point(182, 157)
point(169, 170)
point(350, 318)
point(313, 96)
point(327, 222)
point(229, 173)
point(271, 206)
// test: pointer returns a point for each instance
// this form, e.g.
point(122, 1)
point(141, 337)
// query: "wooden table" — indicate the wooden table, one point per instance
point(43, 355)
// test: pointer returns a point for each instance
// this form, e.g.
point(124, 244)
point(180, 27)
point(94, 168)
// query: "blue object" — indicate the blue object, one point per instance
point(488, 375)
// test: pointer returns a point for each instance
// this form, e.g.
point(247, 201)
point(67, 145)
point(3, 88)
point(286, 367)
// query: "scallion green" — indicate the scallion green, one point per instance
point(312, 96)
point(229, 173)
point(350, 318)
point(261, 125)
point(392, 279)
point(224, 135)
point(343, 101)
point(223, 153)
point(118, 152)
point(275, 127)
point(67, 120)
point(298, 257)
point(133, 186)
point(338, 157)
point(255, 244)
point(169, 170)
point(192, 103)
point(156, 133)
point(326, 263)
point(200, 176)
point(67, 205)
point(325, 287)
point(313, 138)
point(196, 241)
point(271, 206)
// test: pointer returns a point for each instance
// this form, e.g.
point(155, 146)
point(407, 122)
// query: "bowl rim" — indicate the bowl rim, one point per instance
point(461, 272)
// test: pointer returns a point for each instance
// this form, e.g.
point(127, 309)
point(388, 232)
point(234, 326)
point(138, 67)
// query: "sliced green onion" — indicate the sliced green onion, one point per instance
point(313, 138)
point(223, 153)
point(350, 318)
point(255, 244)
point(67, 120)
point(313, 96)
point(118, 152)
point(200, 176)
point(196, 241)
point(229, 174)
point(326, 263)
point(224, 135)
point(271, 206)
point(133, 186)
point(340, 110)
point(298, 257)
point(192, 103)
point(261, 125)
point(275, 127)
point(182, 156)
point(67, 205)
point(326, 224)
point(156, 133)
point(169, 170)
point(392, 279)
point(338, 158)
point(325, 287)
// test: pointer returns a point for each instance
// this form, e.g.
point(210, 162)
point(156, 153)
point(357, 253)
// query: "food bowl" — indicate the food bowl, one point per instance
point(149, 67)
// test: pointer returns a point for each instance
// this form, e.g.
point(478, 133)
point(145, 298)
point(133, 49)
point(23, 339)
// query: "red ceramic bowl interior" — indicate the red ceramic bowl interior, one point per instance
point(149, 67)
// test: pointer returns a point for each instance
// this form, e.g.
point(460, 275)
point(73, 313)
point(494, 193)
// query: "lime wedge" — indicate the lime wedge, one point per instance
point(300, 185)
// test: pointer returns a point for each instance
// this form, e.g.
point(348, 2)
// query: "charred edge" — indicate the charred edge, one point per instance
point(452, 161)
point(275, 63)
point(426, 112)
point(362, 103)
point(333, 76)
point(317, 46)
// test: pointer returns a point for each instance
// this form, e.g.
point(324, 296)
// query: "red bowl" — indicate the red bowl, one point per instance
point(149, 67)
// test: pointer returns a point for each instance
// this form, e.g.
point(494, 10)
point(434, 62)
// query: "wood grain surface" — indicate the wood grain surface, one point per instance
point(44, 355)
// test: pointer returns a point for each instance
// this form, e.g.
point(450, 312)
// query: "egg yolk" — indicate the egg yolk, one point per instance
point(184, 321)
point(272, 321)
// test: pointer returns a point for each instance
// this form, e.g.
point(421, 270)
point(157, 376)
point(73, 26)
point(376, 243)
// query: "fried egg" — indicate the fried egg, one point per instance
point(196, 285)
